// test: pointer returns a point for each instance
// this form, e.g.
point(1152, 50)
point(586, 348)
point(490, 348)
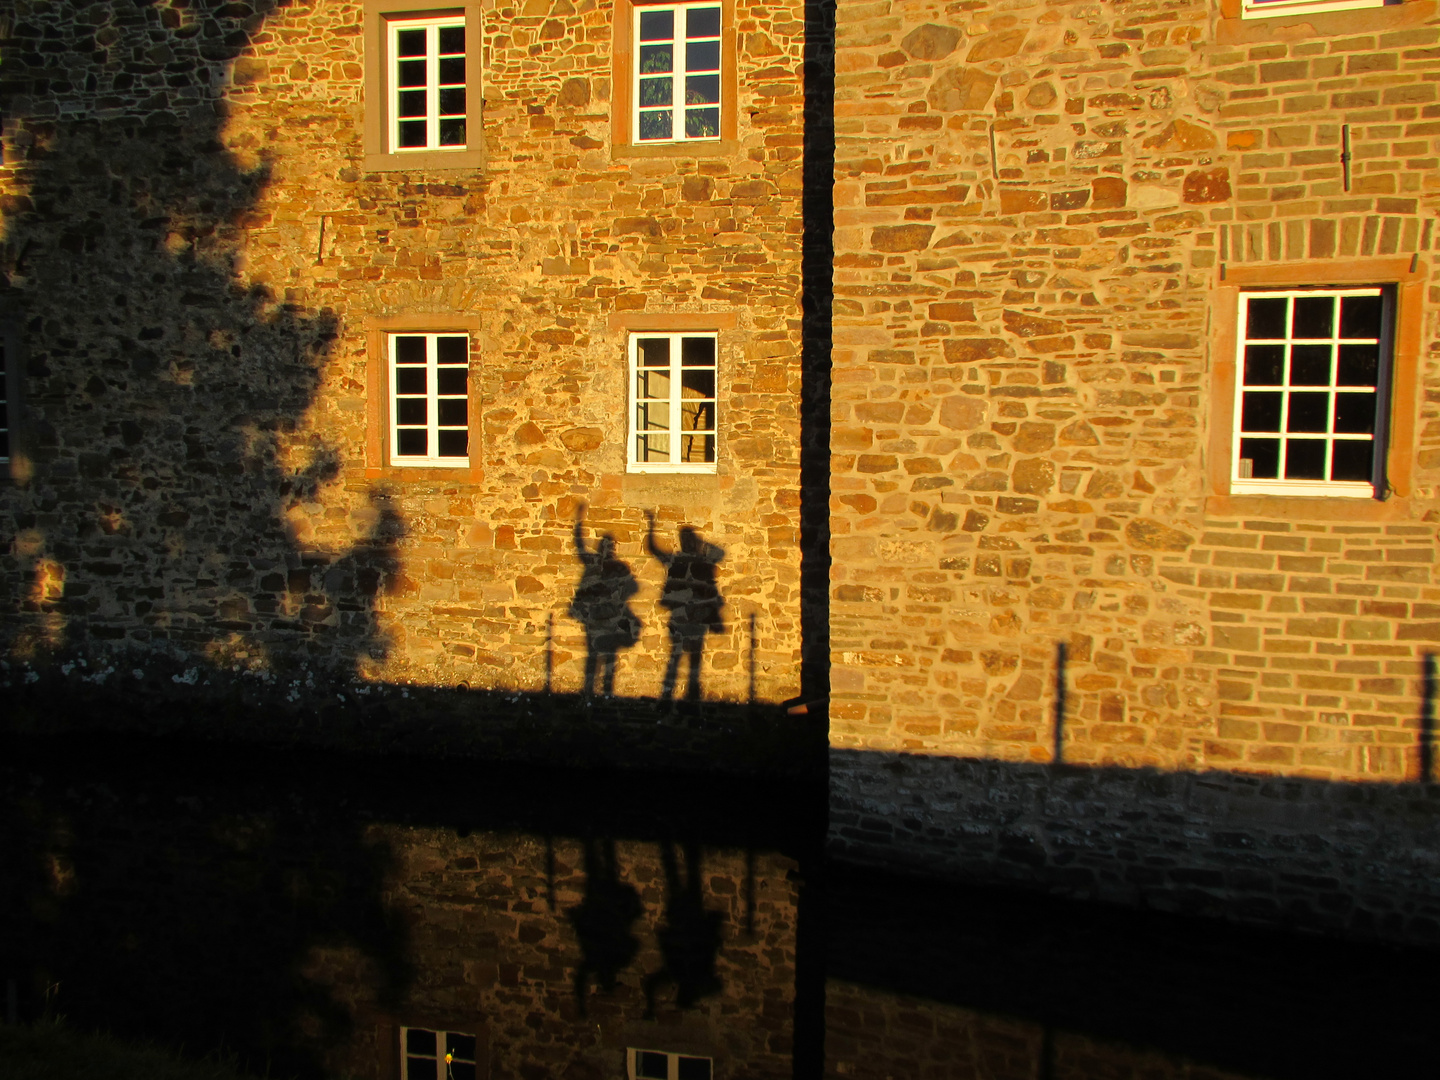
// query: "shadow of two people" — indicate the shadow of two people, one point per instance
point(601, 604)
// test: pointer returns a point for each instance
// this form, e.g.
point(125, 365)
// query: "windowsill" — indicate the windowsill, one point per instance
point(427, 474)
point(424, 161)
point(1312, 508)
point(697, 148)
point(1234, 30)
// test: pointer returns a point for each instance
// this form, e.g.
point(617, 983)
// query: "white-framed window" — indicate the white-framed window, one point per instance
point(1269, 9)
point(426, 84)
point(673, 402)
point(436, 1055)
point(665, 1065)
point(677, 73)
point(429, 399)
point(1311, 393)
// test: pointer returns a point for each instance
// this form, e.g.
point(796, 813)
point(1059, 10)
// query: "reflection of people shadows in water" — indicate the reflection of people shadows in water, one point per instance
point(689, 937)
point(693, 600)
point(601, 605)
point(602, 921)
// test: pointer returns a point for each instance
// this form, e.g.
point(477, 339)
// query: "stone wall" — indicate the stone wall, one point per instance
point(1036, 209)
point(193, 249)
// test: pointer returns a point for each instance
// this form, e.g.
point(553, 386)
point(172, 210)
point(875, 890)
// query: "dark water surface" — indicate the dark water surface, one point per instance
point(314, 913)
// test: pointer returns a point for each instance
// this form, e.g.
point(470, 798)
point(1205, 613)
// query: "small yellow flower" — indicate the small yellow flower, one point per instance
point(449, 1058)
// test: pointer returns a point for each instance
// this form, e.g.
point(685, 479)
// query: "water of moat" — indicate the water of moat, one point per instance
point(312, 913)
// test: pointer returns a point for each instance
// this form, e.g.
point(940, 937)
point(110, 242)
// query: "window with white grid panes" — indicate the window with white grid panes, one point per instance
point(1311, 401)
point(436, 1055)
point(672, 402)
point(666, 1065)
point(677, 73)
point(429, 399)
point(427, 84)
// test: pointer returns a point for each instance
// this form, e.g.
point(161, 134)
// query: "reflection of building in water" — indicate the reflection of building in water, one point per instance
point(493, 951)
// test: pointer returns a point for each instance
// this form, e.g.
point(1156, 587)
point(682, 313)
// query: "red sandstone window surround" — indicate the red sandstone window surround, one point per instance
point(422, 403)
point(1316, 387)
point(423, 88)
point(675, 80)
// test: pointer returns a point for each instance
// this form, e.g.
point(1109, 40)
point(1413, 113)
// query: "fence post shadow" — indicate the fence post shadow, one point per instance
point(1057, 751)
point(1427, 718)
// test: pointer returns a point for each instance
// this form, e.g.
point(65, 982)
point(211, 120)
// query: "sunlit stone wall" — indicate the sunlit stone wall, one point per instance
point(193, 246)
point(1042, 213)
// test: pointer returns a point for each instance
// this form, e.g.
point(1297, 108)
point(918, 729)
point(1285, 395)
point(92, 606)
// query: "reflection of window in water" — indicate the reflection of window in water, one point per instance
point(673, 399)
point(663, 1065)
point(425, 1051)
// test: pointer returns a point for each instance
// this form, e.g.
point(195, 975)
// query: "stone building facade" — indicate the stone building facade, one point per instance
point(216, 232)
point(1084, 632)
point(1107, 611)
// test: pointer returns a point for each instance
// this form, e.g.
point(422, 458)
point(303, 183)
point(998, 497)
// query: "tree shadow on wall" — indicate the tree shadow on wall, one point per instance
point(170, 475)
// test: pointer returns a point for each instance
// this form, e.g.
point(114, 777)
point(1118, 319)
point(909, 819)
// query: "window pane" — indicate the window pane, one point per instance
point(652, 448)
point(702, 89)
point(697, 416)
point(413, 443)
point(422, 1069)
point(1360, 316)
point(410, 411)
point(418, 1040)
point(412, 103)
point(454, 443)
point(453, 412)
point(452, 71)
point(697, 352)
point(410, 380)
point(702, 56)
point(1310, 365)
point(1353, 459)
point(702, 22)
point(452, 101)
point(4, 442)
point(450, 381)
point(1264, 365)
point(1355, 414)
point(409, 350)
point(412, 73)
point(1305, 459)
point(1263, 456)
point(1314, 316)
point(1308, 412)
point(656, 91)
point(652, 417)
point(452, 132)
point(412, 134)
point(653, 385)
point(655, 125)
point(657, 25)
point(694, 1068)
point(697, 449)
point(656, 59)
point(1266, 317)
point(651, 1066)
point(654, 352)
point(452, 39)
point(1359, 365)
point(697, 383)
point(409, 43)
point(702, 124)
point(462, 1046)
point(1260, 412)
